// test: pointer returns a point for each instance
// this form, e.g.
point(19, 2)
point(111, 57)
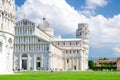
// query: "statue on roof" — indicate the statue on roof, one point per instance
point(45, 23)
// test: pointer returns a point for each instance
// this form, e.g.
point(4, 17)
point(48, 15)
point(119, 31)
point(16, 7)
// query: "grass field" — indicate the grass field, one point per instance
point(62, 76)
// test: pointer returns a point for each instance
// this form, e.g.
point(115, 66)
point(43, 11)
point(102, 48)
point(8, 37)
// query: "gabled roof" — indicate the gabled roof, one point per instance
point(25, 22)
point(106, 61)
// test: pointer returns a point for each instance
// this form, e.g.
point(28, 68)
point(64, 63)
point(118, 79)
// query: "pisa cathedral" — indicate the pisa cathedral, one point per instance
point(26, 46)
point(36, 48)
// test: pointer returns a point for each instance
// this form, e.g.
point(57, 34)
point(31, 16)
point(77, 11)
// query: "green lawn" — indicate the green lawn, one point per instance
point(62, 76)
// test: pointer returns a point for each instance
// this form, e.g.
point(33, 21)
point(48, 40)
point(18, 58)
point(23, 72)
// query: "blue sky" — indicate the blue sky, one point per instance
point(108, 11)
point(102, 15)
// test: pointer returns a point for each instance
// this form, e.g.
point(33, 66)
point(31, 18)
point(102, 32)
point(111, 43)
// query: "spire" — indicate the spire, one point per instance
point(24, 16)
point(44, 18)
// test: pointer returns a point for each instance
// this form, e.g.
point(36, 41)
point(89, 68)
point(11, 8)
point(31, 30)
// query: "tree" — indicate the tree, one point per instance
point(103, 58)
point(91, 64)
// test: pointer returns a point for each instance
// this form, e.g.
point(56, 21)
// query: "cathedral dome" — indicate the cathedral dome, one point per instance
point(46, 27)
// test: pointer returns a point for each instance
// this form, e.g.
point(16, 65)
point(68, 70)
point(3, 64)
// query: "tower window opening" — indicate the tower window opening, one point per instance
point(67, 60)
point(38, 40)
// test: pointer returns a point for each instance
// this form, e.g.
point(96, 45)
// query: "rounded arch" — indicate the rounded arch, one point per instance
point(24, 55)
point(38, 58)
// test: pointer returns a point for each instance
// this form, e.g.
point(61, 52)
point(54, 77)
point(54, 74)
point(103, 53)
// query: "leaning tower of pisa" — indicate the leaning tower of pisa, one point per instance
point(83, 33)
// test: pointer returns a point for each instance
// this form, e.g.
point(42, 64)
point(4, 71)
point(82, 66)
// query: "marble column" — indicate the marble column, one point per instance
point(34, 61)
point(28, 62)
point(20, 61)
point(42, 60)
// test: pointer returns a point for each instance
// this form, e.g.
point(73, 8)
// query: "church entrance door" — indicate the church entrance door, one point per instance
point(38, 63)
point(38, 66)
point(24, 61)
point(24, 64)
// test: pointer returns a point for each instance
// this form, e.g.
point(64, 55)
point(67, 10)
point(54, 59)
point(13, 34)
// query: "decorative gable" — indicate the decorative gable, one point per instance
point(25, 22)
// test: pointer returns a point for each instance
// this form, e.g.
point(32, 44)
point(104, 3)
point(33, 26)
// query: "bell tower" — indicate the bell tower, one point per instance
point(7, 20)
point(83, 33)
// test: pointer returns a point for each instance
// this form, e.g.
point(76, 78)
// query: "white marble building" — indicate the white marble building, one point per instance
point(75, 51)
point(7, 19)
point(36, 48)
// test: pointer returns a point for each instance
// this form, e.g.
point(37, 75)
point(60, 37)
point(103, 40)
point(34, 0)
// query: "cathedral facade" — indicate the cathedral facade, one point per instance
point(7, 19)
point(36, 48)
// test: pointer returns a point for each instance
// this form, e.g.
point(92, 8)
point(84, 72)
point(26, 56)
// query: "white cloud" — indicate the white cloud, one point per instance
point(64, 19)
point(117, 51)
point(105, 32)
point(91, 5)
